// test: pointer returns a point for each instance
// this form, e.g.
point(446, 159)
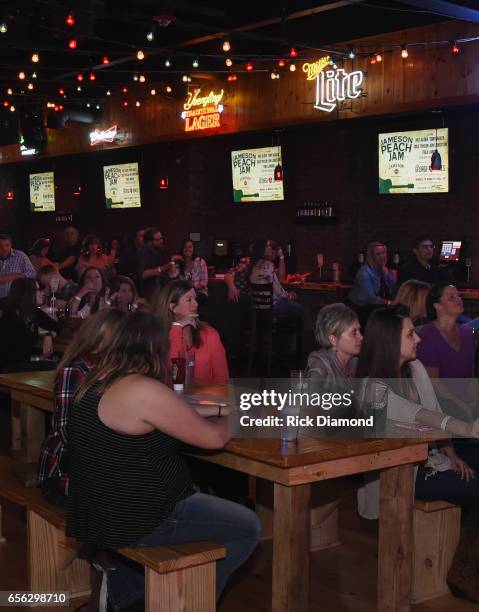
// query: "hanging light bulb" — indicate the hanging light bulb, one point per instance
point(249, 67)
point(35, 58)
point(30, 86)
point(125, 103)
point(108, 92)
point(105, 60)
point(88, 104)
point(168, 89)
point(92, 76)
point(292, 67)
point(61, 91)
point(70, 20)
point(137, 103)
point(72, 44)
point(5, 104)
point(373, 60)
point(12, 108)
point(140, 55)
point(404, 52)
point(232, 78)
point(142, 78)
point(455, 49)
point(135, 77)
point(10, 91)
point(97, 106)
point(226, 46)
point(184, 78)
point(79, 88)
point(229, 62)
point(3, 28)
point(80, 76)
point(21, 75)
point(167, 63)
point(351, 54)
point(195, 63)
point(281, 63)
point(153, 92)
point(293, 52)
point(125, 90)
point(150, 36)
point(34, 75)
point(379, 57)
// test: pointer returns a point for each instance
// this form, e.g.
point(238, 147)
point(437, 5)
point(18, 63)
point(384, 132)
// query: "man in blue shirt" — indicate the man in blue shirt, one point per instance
point(13, 264)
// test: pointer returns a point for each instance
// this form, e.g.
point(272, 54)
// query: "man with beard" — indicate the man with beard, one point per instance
point(155, 265)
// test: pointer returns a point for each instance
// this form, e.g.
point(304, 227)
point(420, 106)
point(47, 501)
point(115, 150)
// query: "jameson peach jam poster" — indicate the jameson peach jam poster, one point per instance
point(122, 186)
point(254, 175)
point(42, 192)
point(414, 162)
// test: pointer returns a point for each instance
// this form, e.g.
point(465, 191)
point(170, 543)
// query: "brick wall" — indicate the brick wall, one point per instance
point(334, 162)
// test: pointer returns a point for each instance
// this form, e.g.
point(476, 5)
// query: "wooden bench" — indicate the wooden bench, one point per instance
point(437, 526)
point(178, 577)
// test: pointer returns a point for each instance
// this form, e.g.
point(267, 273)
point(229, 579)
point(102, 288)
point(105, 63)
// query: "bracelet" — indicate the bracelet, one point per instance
point(445, 421)
point(75, 297)
point(219, 411)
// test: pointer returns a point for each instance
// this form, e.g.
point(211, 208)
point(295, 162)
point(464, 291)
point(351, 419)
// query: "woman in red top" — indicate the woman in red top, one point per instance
point(176, 305)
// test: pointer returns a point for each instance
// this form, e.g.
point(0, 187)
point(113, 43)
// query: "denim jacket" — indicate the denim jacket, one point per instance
point(367, 285)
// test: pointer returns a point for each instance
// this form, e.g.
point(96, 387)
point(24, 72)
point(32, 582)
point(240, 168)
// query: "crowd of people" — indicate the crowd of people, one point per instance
point(113, 452)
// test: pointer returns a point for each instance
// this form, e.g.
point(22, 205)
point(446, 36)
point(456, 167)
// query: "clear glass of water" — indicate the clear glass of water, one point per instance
point(376, 406)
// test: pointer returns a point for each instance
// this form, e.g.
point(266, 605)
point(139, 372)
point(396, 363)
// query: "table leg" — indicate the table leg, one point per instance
point(16, 426)
point(395, 539)
point(291, 534)
point(33, 432)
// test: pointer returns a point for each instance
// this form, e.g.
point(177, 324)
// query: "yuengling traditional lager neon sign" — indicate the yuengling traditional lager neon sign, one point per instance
point(202, 112)
point(332, 85)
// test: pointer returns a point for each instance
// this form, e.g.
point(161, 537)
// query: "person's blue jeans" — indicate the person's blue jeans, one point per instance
point(198, 517)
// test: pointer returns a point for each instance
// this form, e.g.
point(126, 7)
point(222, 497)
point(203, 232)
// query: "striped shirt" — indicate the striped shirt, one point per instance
point(121, 486)
point(16, 263)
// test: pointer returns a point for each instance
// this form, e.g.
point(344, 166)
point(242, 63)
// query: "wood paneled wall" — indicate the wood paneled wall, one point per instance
point(432, 77)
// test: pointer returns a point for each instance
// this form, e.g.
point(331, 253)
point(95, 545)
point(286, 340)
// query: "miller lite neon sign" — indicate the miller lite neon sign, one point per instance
point(333, 85)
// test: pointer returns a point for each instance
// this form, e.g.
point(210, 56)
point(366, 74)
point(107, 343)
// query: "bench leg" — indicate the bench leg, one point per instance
point(16, 426)
point(192, 589)
point(2, 538)
point(47, 550)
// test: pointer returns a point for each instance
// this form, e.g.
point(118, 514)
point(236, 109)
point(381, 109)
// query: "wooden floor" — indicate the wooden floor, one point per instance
point(343, 579)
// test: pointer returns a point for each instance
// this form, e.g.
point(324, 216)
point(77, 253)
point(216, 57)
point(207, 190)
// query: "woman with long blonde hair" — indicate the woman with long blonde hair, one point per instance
point(413, 294)
point(81, 355)
point(130, 485)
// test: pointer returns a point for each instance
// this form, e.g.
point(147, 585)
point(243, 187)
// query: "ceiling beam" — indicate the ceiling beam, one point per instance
point(447, 9)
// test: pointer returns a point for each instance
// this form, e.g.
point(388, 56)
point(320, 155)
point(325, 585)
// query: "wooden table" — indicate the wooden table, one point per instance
point(31, 395)
point(293, 469)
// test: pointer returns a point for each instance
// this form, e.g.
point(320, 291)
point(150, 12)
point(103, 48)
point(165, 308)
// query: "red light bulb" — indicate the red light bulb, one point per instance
point(249, 66)
point(293, 52)
point(72, 44)
point(455, 49)
point(92, 76)
point(125, 103)
point(281, 63)
point(105, 59)
point(70, 20)
point(79, 76)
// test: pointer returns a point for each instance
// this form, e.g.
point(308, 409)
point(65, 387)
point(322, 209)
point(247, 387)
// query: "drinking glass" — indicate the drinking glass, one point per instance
point(376, 406)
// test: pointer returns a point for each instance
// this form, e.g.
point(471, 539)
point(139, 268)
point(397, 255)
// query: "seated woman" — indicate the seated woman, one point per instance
point(22, 324)
point(176, 306)
point(39, 254)
point(81, 355)
point(129, 481)
point(91, 294)
point(337, 331)
point(388, 355)
point(92, 256)
point(447, 351)
point(413, 294)
point(263, 256)
point(124, 294)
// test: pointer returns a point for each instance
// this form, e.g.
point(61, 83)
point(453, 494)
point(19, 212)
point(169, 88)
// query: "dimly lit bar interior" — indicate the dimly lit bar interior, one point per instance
point(239, 303)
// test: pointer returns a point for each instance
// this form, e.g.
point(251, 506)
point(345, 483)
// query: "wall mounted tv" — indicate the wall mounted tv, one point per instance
point(122, 186)
point(414, 162)
point(257, 175)
point(42, 192)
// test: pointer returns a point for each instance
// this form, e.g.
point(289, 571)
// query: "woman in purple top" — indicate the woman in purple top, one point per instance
point(447, 349)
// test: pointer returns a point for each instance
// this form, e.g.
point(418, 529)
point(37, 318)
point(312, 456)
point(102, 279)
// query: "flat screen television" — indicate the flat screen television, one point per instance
point(450, 250)
point(257, 175)
point(42, 192)
point(414, 162)
point(122, 186)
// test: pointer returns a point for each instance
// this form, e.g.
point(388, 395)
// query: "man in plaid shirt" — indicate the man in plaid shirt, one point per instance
point(13, 264)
